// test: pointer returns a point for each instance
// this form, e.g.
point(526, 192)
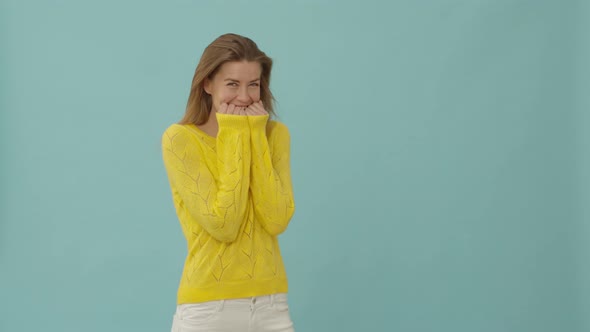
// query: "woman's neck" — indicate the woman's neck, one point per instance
point(211, 126)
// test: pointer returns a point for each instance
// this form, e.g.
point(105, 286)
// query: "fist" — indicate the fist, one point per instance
point(256, 109)
point(231, 109)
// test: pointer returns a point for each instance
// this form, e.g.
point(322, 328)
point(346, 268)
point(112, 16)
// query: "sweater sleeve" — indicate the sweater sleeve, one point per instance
point(270, 179)
point(217, 206)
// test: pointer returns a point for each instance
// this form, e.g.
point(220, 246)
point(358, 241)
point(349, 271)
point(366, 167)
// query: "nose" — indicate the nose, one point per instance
point(243, 97)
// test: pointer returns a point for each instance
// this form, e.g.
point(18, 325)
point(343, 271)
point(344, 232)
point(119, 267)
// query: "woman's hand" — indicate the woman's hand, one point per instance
point(231, 109)
point(256, 109)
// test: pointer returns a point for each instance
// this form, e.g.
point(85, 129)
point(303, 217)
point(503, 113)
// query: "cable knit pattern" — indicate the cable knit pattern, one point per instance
point(233, 196)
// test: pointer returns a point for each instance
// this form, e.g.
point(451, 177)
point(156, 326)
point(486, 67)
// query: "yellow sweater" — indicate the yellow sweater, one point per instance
point(233, 197)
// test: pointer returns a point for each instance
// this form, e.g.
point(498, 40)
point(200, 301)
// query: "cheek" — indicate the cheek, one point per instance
point(255, 95)
point(225, 95)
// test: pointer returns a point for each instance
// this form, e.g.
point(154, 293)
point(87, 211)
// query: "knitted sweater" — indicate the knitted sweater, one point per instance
point(233, 197)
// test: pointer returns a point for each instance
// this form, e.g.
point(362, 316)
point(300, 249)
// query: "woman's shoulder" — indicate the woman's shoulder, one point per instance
point(174, 131)
point(183, 134)
point(174, 128)
point(186, 129)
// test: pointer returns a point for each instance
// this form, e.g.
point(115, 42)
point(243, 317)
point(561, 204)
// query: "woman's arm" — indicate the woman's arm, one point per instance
point(218, 207)
point(270, 180)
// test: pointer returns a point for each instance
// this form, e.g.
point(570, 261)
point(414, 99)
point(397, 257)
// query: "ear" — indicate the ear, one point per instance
point(207, 86)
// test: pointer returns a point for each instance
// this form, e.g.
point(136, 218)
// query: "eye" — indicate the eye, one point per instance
point(255, 84)
point(232, 84)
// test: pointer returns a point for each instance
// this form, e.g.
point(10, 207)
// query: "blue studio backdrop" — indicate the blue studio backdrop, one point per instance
point(440, 160)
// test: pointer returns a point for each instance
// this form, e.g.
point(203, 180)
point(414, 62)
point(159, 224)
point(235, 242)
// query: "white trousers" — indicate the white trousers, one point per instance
point(268, 313)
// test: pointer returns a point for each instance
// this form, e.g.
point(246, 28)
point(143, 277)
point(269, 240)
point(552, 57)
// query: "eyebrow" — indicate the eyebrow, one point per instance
point(234, 80)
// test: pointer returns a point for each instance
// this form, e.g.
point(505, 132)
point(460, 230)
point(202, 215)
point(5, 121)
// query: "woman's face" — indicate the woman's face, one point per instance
point(236, 82)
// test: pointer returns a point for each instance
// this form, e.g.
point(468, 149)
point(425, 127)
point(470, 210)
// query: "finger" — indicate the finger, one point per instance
point(231, 109)
point(248, 110)
point(259, 109)
point(253, 110)
point(223, 108)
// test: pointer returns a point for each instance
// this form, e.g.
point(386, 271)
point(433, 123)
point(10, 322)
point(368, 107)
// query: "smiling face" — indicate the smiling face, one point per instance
point(236, 82)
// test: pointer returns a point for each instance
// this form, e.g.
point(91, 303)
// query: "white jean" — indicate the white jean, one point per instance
point(268, 313)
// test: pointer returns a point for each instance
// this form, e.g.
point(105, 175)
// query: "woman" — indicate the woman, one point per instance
point(228, 168)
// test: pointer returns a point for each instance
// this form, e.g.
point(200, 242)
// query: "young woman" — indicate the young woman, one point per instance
point(228, 167)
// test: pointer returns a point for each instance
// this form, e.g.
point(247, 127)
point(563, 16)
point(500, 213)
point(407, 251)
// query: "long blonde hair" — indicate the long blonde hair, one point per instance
point(227, 47)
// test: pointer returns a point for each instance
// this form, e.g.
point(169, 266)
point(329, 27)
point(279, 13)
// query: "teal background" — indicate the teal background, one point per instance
point(440, 157)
